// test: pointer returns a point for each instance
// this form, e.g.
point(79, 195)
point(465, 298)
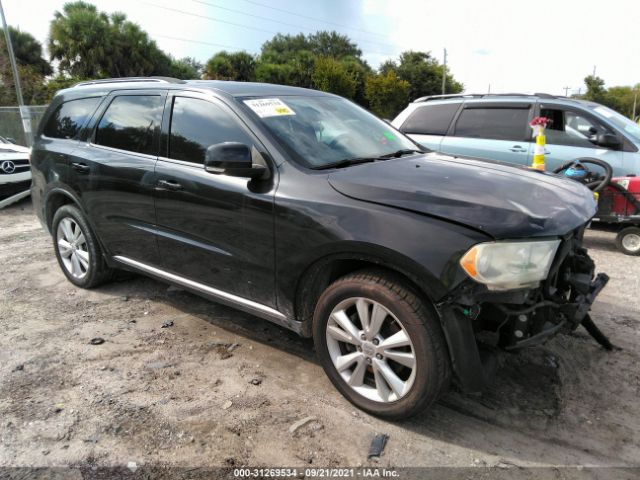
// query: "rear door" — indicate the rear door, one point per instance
point(214, 229)
point(572, 134)
point(114, 172)
point(427, 124)
point(491, 131)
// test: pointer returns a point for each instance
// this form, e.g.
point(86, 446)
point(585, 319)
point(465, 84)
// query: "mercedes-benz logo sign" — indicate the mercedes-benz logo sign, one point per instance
point(8, 166)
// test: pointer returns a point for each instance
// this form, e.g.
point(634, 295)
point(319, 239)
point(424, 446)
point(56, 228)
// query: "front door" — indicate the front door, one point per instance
point(213, 229)
point(572, 134)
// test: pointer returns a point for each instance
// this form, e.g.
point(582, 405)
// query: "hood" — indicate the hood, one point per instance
point(501, 200)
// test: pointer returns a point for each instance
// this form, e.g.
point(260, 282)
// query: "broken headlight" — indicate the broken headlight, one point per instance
point(505, 265)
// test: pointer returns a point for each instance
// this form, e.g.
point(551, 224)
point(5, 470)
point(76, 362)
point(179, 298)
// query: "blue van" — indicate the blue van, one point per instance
point(496, 127)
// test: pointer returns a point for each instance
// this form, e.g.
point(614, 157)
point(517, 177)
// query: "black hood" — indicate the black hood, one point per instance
point(501, 200)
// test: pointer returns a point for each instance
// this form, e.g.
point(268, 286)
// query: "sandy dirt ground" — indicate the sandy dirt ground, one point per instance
point(183, 382)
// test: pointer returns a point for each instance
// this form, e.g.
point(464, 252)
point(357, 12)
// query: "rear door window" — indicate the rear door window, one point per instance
point(197, 124)
point(69, 117)
point(132, 123)
point(493, 123)
point(430, 119)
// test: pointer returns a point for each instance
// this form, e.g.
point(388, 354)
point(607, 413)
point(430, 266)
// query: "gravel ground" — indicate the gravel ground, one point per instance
point(219, 388)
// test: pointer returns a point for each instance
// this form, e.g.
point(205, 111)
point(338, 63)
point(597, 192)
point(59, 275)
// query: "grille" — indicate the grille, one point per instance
point(9, 189)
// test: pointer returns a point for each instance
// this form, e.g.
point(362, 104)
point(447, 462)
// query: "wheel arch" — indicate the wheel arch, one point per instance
point(325, 270)
point(56, 198)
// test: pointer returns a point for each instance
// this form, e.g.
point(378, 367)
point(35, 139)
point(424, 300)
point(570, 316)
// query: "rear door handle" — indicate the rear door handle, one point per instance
point(81, 167)
point(518, 149)
point(168, 185)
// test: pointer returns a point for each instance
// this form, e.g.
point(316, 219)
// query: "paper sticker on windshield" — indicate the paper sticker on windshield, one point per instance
point(269, 107)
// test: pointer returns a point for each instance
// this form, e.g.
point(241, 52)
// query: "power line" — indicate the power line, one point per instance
point(260, 17)
point(312, 18)
point(206, 17)
point(198, 41)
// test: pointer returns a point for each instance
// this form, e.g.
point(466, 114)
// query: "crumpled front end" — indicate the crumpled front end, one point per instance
point(514, 319)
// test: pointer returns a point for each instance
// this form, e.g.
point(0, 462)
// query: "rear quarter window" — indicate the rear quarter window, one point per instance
point(69, 117)
point(430, 119)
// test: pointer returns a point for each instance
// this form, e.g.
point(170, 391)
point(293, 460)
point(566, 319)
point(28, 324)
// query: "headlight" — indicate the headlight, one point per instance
point(510, 264)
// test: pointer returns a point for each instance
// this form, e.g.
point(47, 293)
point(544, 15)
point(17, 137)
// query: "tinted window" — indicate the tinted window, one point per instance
point(67, 120)
point(430, 119)
point(131, 123)
point(493, 123)
point(196, 125)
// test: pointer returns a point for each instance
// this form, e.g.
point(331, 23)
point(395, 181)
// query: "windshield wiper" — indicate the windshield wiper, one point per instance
point(347, 162)
point(400, 153)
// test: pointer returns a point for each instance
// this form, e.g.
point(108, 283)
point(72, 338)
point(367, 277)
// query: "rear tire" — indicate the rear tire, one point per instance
point(77, 249)
point(628, 241)
point(386, 341)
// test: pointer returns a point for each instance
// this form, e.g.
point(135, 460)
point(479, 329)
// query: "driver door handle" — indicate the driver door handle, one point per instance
point(81, 167)
point(171, 185)
point(518, 149)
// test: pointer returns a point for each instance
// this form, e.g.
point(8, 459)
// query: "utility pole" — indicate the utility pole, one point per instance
point(24, 112)
point(566, 91)
point(594, 70)
point(635, 102)
point(444, 72)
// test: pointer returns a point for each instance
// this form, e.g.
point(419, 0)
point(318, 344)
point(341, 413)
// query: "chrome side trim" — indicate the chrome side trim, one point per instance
point(249, 306)
point(119, 150)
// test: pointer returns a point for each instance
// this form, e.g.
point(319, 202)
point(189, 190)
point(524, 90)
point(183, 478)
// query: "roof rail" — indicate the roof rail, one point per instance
point(129, 80)
point(482, 95)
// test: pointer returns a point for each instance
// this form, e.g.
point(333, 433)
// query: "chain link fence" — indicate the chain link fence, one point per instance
point(11, 122)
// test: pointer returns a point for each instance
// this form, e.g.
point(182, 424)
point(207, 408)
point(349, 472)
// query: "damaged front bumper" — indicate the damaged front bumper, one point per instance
point(476, 319)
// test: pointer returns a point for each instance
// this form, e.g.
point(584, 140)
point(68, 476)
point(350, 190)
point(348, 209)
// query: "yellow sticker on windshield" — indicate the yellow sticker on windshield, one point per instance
point(269, 107)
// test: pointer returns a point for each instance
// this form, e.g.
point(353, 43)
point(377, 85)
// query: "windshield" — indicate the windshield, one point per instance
point(623, 123)
point(320, 131)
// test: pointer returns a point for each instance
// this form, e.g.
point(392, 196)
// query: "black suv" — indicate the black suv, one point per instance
point(304, 209)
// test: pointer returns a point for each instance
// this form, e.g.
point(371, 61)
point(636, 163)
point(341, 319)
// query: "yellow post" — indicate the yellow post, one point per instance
point(538, 124)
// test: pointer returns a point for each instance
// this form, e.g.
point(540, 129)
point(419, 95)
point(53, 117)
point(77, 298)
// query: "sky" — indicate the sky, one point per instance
point(501, 45)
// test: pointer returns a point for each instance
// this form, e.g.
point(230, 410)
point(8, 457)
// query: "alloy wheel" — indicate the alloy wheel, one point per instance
point(72, 246)
point(371, 350)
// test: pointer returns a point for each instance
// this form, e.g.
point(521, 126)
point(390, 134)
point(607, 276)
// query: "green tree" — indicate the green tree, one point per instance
point(27, 49)
point(32, 69)
point(331, 75)
point(387, 94)
point(89, 43)
point(186, 68)
point(595, 89)
point(239, 66)
point(424, 74)
point(293, 59)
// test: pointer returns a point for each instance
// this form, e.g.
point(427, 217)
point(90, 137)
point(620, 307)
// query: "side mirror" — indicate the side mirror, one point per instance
point(608, 140)
point(233, 159)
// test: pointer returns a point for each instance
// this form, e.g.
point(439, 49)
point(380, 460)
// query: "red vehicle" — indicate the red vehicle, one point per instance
point(618, 202)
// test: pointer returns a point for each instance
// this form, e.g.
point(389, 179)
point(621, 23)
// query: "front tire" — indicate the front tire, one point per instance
point(628, 241)
point(380, 344)
point(77, 249)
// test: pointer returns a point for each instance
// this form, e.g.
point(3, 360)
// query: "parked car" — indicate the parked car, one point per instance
point(496, 127)
point(304, 209)
point(15, 176)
